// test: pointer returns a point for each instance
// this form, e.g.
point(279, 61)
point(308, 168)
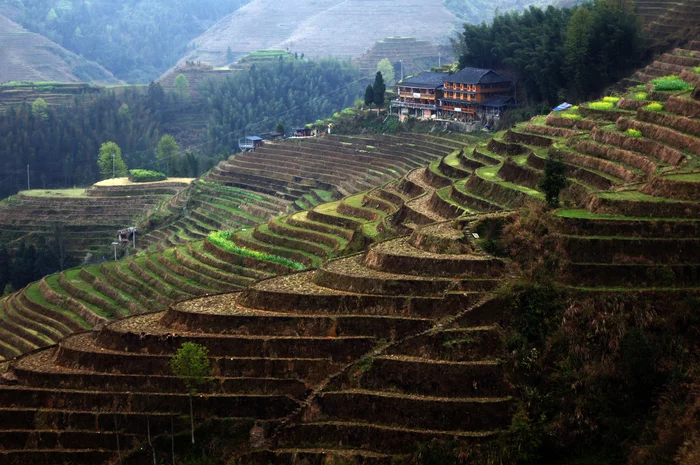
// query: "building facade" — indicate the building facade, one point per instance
point(471, 94)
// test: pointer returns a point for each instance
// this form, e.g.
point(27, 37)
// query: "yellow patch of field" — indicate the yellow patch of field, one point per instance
point(55, 193)
point(126, 182)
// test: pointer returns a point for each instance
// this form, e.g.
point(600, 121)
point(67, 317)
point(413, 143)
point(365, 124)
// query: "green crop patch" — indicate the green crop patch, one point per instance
point(655, 106)
point(671, 84)
point(225, 240)
point(605, 106)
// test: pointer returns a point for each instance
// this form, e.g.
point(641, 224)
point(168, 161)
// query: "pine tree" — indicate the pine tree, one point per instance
point(369, 96)
point(379, 88)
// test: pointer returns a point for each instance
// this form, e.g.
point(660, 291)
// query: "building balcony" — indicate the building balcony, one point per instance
point(465, 110)
point(416, 106)
point(417, 95)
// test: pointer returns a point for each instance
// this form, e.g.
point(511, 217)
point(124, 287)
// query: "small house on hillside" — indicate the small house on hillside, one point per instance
point(471, 94)
point(125, 236)
point(302, 132)
point(250, 143)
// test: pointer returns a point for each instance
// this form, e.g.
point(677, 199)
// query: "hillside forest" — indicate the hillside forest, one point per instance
point(137, 40)
point(61, 143)
point(557, 54)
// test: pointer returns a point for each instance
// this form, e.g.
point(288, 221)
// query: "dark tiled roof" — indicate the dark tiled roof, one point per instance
point(499, 101)
point(476, 76)
point(425, 79)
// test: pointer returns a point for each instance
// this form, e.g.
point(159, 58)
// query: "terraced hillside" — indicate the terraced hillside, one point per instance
point(651, 10)
point(86, 221)
point(372, 351)
point(32, 57)
point(84, 298)
point(417, 55)
point(195, 76)
point(280, 354)
point(301, 26)
point(669, 20)
point(684, 62)
point(52, 93)
point(290, 176)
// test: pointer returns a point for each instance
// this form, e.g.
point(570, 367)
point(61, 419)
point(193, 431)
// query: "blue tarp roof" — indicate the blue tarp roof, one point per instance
point(563, 106)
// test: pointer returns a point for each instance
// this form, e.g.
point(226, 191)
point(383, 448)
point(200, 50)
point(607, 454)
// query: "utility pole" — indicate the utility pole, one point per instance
point(401, 61)
point(28, 185)
point(114, 246)
point(134, 236)
point(439, 60)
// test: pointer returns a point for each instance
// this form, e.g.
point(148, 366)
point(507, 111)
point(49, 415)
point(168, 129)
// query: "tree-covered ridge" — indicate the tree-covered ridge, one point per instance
point(559, 53)
point(287, 92)
point(61, 143)
point(137, 40)
point(479, 11)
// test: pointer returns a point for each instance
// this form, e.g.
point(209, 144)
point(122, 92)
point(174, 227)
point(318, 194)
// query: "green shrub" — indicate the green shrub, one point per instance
point(696, 69)
point(223, 239)
point(606, 106)
point(641, 96)
point(146, 176)
point(671, 84)
point(655, 106)
point(571, 116)
point(348, 112)
point(611, 99)
point(633, 133)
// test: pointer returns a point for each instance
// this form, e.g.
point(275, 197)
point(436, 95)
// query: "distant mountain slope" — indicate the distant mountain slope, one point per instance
point(31, 57)
point(318, 28)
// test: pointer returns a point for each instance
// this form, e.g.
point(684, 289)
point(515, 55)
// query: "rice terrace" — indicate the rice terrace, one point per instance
point(474, 247)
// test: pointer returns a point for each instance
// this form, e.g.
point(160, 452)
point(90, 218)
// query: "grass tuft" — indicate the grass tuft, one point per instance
point(146, 176)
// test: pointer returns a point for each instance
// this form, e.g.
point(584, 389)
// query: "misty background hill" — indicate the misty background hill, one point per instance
point(31, 57)
point(139, 40)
